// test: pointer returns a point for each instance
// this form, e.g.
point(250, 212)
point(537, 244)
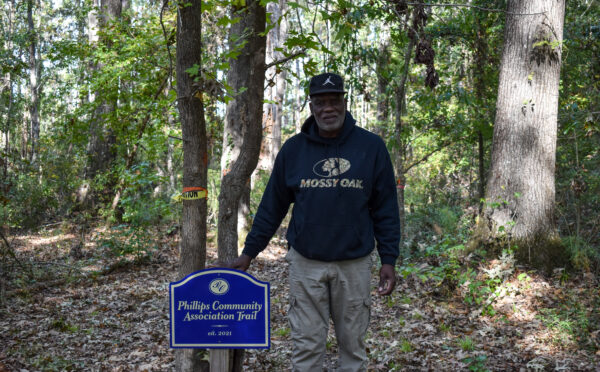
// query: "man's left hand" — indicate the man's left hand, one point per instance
point(387, 280)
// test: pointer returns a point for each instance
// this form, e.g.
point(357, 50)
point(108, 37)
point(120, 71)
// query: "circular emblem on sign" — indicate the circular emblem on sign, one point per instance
point(219, 286)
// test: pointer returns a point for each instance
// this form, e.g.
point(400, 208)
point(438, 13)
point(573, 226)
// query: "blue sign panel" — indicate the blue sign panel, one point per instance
point(220, 308)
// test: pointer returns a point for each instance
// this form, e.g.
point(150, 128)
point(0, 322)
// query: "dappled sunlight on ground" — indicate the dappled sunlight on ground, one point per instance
point(117, 319)
point(29, 243)
point(522, 308)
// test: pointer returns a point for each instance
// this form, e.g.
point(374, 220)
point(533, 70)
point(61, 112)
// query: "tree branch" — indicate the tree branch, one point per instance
point(425, 157)
point(588, 8)
point(299, 21)
point(286, 59)
point(474, 7)
point(162, 25)
point(14, 256)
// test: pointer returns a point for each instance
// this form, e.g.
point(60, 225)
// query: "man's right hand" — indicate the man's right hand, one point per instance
point(241, 263)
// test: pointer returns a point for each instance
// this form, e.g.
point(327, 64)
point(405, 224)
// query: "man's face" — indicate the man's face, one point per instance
point(329, 110)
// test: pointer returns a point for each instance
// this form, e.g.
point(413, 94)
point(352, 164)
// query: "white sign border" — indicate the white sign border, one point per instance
point(265, 285)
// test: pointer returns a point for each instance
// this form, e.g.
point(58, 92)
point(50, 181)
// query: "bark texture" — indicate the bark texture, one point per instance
point(34, 82)
point(520, 190)
point(275, 76)
point(280, 33)
point(383, 81)
point(243, 119)
point(195, 160)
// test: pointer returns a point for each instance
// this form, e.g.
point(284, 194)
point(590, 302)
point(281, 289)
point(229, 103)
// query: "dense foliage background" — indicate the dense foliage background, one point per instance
point(59, 67)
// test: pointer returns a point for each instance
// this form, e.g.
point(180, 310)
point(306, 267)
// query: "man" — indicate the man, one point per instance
point(340, 179)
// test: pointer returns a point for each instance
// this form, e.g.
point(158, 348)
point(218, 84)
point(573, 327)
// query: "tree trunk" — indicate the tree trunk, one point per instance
point(34, 79)
point(383, 81)
point(279, 92)
point(520, 190)
point(481, 168)
point(481, 60)
point(8, 91)
point(275, 91)
point(400, 159)
point(269, 107)
point(25, 136)
point(280, 31)
point(279, 98)
point(195, 160)
point(272, 110)
point(400, 152)
point(243, 120)
point(300, 97)
point(244, 222)
point(230, 153)
point(81, 39)
point(102, 139)
point(6, 130)
point(170, 157)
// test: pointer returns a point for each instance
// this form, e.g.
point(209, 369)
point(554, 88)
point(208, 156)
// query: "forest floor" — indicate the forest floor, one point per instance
point(84, 312)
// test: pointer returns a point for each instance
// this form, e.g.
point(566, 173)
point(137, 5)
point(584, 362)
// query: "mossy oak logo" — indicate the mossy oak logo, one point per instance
point(331, 167)
point(327, 169)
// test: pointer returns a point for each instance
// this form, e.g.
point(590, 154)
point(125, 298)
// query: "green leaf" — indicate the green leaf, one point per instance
point(295, 5)
point(226, 21)
point(194, 70)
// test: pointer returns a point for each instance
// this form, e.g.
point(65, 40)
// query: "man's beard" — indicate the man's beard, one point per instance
point(330, 127)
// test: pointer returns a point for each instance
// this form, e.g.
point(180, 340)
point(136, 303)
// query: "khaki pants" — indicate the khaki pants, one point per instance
point(319, 290)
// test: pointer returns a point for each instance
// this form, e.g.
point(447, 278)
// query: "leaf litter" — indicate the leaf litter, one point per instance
point(118, 320)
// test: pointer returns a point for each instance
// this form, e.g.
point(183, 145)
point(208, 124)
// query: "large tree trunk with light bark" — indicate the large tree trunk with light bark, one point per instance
point(519, 210)
point(195, 161)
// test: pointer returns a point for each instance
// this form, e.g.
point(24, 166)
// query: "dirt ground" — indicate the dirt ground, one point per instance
point(91, 318)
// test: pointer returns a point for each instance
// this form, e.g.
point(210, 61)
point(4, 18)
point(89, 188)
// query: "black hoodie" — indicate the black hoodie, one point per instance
point(344, 196)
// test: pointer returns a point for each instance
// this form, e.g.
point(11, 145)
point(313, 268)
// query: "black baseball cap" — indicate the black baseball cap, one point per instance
point(326, 83)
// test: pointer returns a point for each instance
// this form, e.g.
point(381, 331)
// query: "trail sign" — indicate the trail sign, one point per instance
point(220, 308)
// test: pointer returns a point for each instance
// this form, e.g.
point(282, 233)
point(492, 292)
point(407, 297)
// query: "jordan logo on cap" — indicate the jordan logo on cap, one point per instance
point(329, 81)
